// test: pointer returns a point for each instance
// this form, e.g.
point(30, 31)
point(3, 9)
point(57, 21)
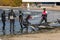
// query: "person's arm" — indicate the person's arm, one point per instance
point(30, 17)
point(22, 14)
point(19, 18)
point(46, 12)
point(5, 17)
point(1, 16)
point(8, 16)
point(14, 14)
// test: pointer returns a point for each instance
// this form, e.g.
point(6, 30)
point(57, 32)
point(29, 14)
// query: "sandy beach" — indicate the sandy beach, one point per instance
point(51, 35)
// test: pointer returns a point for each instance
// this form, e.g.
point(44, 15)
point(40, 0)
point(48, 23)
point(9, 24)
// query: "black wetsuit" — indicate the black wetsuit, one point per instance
point(11, 17)
point(27, 23)
point(21, 22)
point(3, 18)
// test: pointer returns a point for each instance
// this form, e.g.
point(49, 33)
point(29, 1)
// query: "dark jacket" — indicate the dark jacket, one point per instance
point(3, 17)
point(27, 18)
point(20, 18)
point(11, 14)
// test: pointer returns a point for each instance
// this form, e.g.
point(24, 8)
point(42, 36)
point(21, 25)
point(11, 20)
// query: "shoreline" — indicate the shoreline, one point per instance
point(51, 35)
point(56, 8)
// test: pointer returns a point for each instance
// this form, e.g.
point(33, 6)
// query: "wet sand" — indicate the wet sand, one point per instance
point(51, 35)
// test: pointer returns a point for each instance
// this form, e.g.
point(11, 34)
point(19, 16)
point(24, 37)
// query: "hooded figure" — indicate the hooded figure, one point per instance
point(3, 18)
point(21, 20)
point(44, 16)
point(11, 17)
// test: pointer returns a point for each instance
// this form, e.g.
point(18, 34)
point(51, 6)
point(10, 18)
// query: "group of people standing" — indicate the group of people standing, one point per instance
point(12, 16)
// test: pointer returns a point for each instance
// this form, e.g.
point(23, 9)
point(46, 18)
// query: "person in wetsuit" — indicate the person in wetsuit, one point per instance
point(26, 24)
point(44, 16)
point(21, 20)
point(11, 17)
point(3, 18)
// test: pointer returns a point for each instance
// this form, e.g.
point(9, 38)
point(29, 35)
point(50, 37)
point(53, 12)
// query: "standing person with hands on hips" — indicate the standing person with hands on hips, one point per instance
point(11, 17)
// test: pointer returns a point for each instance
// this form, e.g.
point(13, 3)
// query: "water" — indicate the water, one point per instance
point(36, 18)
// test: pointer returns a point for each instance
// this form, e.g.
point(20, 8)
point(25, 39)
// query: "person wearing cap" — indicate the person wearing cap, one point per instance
point(11, 17)
point(44, 16)
point(21, 20)
point(3, 18)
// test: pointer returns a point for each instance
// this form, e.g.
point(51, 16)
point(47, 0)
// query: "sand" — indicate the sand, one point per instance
point(52, 35)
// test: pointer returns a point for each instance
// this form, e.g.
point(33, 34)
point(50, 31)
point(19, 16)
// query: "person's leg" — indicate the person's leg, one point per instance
point(4, 27)
point(13, 25)
point(21, 26)
point(20, 21)
point(26, 28)
point(41, 21)
point(45, 19)
point(10, 26)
